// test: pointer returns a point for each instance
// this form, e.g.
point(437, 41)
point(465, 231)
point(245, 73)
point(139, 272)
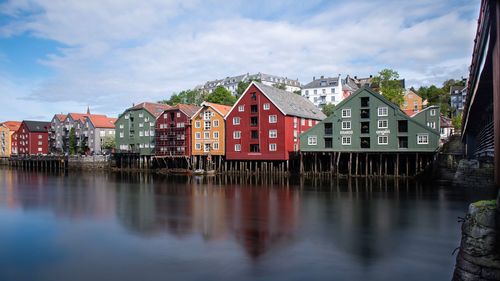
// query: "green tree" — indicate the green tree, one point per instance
point(281, 86)
point(298, 92)
point(221, 95)
point(72, 141)
point(186, 96)
point(83, 146)
point(108, 143)
point(242, 86)
point(389, 85)
point(457, 123)
point(328, 109)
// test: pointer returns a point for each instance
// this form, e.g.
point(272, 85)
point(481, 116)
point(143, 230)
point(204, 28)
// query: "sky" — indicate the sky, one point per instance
point(61, 56)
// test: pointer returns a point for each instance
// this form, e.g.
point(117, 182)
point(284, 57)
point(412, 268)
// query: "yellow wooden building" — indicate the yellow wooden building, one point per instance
point(412, 103)
point(208, 129)
point(6, 130)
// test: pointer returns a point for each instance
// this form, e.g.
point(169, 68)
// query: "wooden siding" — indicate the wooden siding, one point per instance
point(173, 134)
point(127, 132)
point(199, 119)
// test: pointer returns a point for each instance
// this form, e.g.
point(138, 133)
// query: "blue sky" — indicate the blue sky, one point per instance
point(62, 56)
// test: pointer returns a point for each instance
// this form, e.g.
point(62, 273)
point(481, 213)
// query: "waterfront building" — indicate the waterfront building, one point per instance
point(57, 134)
point(481, 116)
point(173, 130)
point(33, 138)
point(135, 128)
point(265, 123)
point(368, 122)
point(324, 90)
point(96, 130)
point(458, 95)
point(412, 103)
point(231, 83)
point(7, 129)
point(15, 144)
point(208, 129)
point(430, 116)
point(446, 128)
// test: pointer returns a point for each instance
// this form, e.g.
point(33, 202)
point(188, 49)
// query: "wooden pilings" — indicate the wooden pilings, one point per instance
point(41, 163)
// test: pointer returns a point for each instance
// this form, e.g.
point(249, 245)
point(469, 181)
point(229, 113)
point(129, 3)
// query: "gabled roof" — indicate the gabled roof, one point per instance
point(425, 109)
point(102, 122)
point(156, 109)
point(445, 122)
point(453, 89)
point(223, 110)
point(37, 126)
point(288, 103)
point(316, 83)
point(60, 117)
point(82, 116)
point(411, 92)
point(11, 125)
point(188, 109)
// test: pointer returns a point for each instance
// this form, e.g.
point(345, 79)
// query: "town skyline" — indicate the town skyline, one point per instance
point(124, 54)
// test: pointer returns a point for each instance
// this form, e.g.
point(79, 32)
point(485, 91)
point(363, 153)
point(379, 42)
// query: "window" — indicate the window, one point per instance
point(266, 106)
point(152, 133)
point(382, 111)
point(206, 135)
point(141, 115)
point(302, 121)
point(141, 125)
point(206, 147)
point(328, 143)
point(273, 134)
point(365, 127)
point(273, 118)
point(237, 135)
point(121, 126)
point(346, 113)
point(272, 147)
point(237, 147)
point(39, 149)
point(346, 125)
point(383, 140)
point(121, 134)
point(254, 121)
point(332, 98)
point(216, 146)
point(146, 133)
point(198, 146)
point(216, 123)
point(328, 128)
point(365, 113)
point(172, 116)
point(197, 124)
point(254, 134)
point(141, 133)
point(206, 115)
point(254, 148)
point(254, 108)
point(253, 96)
point(127, 116)
point(346, 140)
point(333, 90)
point(422, 138)
point(365, 101)
point(146, 119)
point(402, 126)
point(403, 142)
point(310, 123)
point(141, 145)
point(151, 124)
point(241, 108)
point(39, 137)
point(365, 142)
point(382, 124)
point(197, 135)
point(433, 112)
point(312, 140)
point(307, 92)
point(39, 143)
point(216, 135)
point(315, 92)
point(178, 114)
point(295, 125)
point(236, 120)
point(207, 125)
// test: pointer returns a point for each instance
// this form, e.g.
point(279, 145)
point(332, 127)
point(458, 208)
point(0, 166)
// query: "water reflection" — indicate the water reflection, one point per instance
point(322, 226)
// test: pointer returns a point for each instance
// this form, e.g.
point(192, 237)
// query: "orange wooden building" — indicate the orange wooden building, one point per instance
point(7, 129)
point(208, 129)
point(412, 103)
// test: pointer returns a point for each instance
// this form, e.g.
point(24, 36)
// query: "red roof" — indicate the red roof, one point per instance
point(154, 108)
point(410, 112)
point(188, 109)
point(102, 121)
point(81, 116)
point(222, 109)
point(61, 117)
point(12, 125)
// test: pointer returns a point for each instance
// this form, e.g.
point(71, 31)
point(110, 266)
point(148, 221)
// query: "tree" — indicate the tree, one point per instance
point(281, 86)
point(328, 109)
point(242, 86)
point(298, 92)
point(186, 96)
point(72, 141)
point(108, 143)
point(221, 96)
point(389, 85)
point(83, 146)
point(457, 122)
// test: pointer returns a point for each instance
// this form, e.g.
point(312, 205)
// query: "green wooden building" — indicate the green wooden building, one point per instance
point(368, 129)
point(135, 129)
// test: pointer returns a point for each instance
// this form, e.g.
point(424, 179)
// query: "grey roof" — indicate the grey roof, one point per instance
point(37, 126)
point(453, 89)
point(290, 103)
point(322, 82)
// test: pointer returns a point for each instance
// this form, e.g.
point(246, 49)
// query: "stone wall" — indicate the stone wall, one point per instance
point(89, 162)
point(479, 254)
point(474, 173)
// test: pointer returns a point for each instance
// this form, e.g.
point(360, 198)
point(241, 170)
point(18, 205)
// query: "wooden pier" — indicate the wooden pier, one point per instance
point(43, 163)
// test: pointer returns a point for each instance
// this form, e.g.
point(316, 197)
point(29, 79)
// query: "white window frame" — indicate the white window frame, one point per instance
point(272, 147)
point(206, 135)
point(312, 140)
point(237, 135)
point(432, 112)
point(216, 123)
point(380, 124)
point(216, 146)
point(273, 119)
point(346, 140)
point(346, 125)
point(346, 113)
point(381, 138)
point(236, 120)
point(266, 106)
point(241, 108)
point(197, 136)
point(197, 146)
point(273, 134)
point(310, 122)
point(216, 135)
point(237, 147)
point(380, 111)
point(421, 141)
point(197, 124)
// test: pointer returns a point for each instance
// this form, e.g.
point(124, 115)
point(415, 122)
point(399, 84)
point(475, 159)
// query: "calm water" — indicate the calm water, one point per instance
point(142, 227)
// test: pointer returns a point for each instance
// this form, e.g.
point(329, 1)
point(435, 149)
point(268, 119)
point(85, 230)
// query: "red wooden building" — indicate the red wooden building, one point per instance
point(14, 146)
point(173, 131)
point(265, 123)
point(33, 138)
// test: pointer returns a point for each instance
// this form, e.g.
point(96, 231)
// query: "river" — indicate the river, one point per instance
point(113, 226)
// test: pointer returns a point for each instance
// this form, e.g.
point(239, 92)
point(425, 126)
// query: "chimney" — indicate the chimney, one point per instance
point(314, 78)
point(322, 76)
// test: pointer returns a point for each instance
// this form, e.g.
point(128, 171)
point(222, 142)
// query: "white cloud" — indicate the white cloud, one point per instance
point(119, 52)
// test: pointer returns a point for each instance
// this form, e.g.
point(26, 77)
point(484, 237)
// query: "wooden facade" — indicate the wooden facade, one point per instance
point(412, 103)
point(7, 129)
point(265, 122)
point(33, 138)
point(208, 129)
point(173, 130)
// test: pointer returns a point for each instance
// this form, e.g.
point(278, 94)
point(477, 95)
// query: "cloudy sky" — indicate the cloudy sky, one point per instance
point(62, 56)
